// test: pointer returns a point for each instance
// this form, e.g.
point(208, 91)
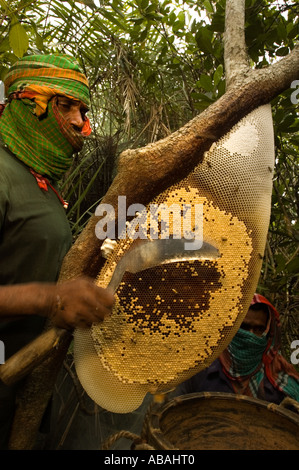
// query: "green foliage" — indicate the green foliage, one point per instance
point(18, 38)
point(152, 66)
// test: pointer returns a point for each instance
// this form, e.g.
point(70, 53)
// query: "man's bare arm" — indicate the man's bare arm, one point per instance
point(70, 304)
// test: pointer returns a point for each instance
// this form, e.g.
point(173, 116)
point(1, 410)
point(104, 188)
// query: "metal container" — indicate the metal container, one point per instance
point(220, 421)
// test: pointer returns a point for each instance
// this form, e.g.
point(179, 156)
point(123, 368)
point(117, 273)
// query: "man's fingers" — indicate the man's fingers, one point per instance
point(105, 295)
point(81, 303)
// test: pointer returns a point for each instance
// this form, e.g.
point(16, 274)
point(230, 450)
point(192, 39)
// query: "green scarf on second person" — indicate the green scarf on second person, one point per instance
point(249, 358)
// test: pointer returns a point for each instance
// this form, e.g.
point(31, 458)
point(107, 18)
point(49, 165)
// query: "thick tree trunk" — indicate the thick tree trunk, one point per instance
point(34, 397)
point(144, 173)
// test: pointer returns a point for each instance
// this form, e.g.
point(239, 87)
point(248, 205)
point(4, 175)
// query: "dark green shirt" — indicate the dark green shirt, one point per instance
point(34, 238)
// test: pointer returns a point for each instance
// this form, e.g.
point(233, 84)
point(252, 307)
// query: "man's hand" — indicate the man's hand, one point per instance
point(79, 303)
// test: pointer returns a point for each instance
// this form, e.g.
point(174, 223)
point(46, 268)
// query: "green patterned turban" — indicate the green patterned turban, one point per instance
point(31, 125)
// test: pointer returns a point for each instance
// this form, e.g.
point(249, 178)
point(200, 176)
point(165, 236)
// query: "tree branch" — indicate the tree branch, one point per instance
point(236, 62)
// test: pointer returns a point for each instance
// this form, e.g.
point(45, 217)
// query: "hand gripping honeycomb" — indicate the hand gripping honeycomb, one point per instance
point(176, 310)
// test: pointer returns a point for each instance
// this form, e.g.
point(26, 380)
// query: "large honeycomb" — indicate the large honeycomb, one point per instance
point(176, 309)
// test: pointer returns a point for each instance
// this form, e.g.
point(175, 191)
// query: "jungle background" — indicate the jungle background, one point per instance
point(152, 67)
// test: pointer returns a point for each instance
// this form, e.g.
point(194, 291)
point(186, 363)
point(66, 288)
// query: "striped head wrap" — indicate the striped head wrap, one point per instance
point(31, 125)
point(47, 75)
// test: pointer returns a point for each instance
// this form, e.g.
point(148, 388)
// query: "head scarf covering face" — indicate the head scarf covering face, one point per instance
point(31, 125)
point(249, 358)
